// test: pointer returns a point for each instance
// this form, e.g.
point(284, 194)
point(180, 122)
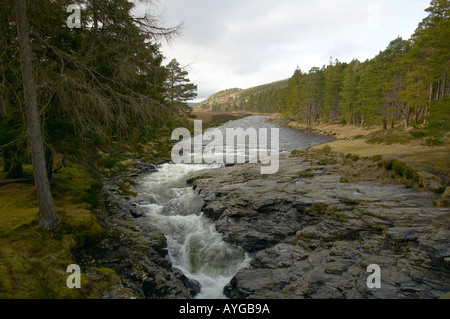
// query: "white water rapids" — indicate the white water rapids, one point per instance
point(194, 245)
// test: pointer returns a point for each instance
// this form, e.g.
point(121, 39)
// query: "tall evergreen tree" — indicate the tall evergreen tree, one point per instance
point(47, 211)
point(179, 88)
point(334, 80)
point(349, 92)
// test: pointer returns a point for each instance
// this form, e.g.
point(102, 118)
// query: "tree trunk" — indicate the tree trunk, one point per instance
point(407, 113)
point(7, 165)
point(427, 107)
point(416, 115)
point(438, 91)
point(47, 213)
point(94, 31)
point(350, 118)
point(49, 158)
point(444, 84)
point(2, 107)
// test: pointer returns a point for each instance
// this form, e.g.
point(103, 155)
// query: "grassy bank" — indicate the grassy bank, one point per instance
point(400, 153)
point(33, 261)
point(216, 118)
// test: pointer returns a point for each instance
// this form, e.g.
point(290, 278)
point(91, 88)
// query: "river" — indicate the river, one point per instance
point(194, 245)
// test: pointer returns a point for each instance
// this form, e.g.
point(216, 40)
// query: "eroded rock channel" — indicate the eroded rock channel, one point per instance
point(312, 236)
point(209, 231)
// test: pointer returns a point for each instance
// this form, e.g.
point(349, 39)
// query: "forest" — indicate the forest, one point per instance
point(71, 91)
point(406, 84)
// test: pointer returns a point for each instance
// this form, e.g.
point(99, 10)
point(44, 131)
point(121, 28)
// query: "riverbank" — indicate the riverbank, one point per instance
point(430, 162)
point(33, 261)
point(136, 252)
point(312, 233)
point(215, 118)
point(310, 229)
point(313, 228)
point(118, 258)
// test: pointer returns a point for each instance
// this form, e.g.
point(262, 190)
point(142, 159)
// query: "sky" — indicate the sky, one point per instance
point(244, 43)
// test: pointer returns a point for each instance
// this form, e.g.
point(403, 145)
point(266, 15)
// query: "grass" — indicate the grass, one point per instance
point(393, 155)
point(377, 158)
point(390, 137)
point(398, 143)
point(430, 159)
point(125, 190)
point(400, 168)
point(216, 118)
point(33, 261)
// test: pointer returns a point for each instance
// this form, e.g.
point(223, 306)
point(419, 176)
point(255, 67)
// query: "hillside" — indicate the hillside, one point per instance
point(234, 99)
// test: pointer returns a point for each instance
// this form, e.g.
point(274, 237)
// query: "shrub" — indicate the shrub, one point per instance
point(418, 134)
point(327, 161)
point(433, 141)
point(326, 149)
point(400, 169)
point(387, 164)
point(353, 157)
point(377, 158)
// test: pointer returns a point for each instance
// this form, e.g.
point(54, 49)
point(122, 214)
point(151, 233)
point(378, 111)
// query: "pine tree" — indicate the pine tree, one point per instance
point(47, 211)
point(349, 92)
point(179, 88)
point(334, 80)
point(293, 93)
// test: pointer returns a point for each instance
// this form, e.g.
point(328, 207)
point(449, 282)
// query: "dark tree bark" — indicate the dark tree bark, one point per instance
point(47, 213)
point(49, 158)
point(7, 165)
point(94, 31)
point(2, 107)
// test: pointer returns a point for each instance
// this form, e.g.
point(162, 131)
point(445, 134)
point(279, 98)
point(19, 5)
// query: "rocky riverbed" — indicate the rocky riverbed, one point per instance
point(312, 236)
point(309, 231)
point(137, 253)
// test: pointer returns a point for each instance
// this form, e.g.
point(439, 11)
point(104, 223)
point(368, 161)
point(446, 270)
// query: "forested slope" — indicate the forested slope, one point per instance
point(405, 84)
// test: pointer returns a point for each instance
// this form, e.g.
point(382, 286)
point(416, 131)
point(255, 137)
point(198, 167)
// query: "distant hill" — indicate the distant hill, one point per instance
point(217, 98)
point(234, 99)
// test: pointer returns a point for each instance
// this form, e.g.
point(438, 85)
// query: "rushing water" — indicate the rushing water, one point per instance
point(194, 245)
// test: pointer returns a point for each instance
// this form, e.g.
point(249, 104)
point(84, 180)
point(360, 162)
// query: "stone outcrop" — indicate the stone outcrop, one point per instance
point(136, 252)
point(312, 236)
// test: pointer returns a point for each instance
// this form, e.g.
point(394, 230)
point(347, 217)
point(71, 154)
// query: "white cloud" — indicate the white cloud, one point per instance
point(243, 43)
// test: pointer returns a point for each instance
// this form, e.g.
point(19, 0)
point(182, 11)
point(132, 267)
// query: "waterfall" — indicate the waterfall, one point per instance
point(194, 245)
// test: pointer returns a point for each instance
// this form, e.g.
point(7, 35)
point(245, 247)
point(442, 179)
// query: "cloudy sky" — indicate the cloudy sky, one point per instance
point(244, 43)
